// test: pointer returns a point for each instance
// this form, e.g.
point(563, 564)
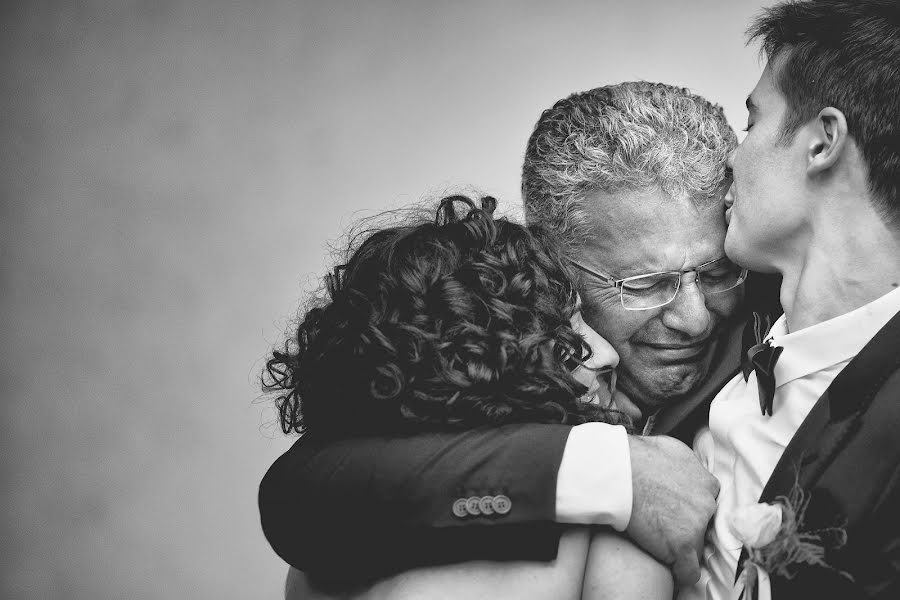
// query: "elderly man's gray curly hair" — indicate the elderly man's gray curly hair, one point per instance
point(629, 136)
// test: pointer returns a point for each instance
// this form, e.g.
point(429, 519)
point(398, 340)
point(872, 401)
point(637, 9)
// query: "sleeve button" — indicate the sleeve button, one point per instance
point(459, 508)
point(501, 504)
point(472, 506)
point(485, 505)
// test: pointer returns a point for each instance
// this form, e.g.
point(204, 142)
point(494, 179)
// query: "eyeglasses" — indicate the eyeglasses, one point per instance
point(643, 292)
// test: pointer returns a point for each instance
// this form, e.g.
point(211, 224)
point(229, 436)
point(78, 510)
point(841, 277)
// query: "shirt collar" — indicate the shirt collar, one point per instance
point(830, 342)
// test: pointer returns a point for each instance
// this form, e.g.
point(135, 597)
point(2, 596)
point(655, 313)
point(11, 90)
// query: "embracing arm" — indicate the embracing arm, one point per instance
point(391, 503)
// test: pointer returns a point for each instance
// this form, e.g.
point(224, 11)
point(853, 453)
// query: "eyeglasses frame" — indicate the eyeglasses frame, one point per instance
point(619, 283)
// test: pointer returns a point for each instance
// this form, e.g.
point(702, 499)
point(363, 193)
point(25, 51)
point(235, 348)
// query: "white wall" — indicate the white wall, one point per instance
point(171, 174)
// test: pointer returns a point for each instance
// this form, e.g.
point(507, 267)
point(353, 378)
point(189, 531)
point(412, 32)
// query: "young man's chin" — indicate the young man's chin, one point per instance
point(744, 255)
point(735, 249)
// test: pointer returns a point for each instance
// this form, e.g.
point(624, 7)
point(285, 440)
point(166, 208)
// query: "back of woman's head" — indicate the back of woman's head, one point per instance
point(458, 322)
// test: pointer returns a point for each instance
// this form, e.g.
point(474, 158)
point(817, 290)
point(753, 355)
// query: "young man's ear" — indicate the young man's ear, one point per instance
point(828, 140)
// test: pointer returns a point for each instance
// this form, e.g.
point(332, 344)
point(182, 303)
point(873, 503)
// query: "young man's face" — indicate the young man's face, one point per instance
point(664, 352)
point(767, 212)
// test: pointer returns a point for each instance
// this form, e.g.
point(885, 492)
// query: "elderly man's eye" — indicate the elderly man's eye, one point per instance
point(643, 286)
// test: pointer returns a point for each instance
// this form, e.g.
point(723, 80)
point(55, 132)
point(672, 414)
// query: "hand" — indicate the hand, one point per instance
point(674, 498)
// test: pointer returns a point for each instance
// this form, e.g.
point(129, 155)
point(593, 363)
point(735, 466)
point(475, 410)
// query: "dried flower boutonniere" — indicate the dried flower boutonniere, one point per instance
point(777, 544)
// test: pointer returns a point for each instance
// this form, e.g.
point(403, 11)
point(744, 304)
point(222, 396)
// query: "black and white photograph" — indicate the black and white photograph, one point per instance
point(490, 300)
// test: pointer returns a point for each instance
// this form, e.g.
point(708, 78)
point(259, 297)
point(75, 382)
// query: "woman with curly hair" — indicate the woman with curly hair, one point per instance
point(460, 323)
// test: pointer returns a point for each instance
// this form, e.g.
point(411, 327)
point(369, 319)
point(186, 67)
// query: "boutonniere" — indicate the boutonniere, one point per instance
point(777, 543)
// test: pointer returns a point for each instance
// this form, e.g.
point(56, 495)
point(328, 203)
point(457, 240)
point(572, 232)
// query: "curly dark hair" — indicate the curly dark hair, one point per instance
point(456, 323)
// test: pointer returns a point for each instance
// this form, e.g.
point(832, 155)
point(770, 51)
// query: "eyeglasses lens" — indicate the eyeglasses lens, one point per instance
point(651, 291)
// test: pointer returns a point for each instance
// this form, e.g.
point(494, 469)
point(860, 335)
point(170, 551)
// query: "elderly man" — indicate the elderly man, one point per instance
point(632, 178)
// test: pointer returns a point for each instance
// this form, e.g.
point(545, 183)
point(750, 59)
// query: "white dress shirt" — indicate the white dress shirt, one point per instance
point(741, 447)
point(593, 485)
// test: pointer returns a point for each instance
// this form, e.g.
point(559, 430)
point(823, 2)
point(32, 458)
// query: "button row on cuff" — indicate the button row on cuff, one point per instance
point(474, 506)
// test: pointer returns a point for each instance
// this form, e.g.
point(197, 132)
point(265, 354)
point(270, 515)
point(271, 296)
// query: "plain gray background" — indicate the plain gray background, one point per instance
point(171, 175)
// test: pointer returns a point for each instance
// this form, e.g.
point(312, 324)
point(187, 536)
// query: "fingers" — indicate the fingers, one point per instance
point(686, 569)
point(674, 499)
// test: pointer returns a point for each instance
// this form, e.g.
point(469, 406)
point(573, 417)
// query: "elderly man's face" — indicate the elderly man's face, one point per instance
point(664, 352)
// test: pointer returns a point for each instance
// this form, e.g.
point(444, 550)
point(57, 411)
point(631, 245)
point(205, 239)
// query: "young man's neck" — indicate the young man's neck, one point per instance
point(849, 262)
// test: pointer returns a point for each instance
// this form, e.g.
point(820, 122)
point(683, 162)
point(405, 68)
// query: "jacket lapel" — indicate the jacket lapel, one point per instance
point(835, 417)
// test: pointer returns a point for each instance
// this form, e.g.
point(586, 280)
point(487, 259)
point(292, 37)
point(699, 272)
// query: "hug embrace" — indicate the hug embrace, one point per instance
point(681, 378)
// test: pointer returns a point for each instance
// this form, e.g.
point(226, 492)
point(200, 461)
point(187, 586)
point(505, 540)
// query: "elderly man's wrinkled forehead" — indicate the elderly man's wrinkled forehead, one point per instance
point(636, 211)
point(648, 215)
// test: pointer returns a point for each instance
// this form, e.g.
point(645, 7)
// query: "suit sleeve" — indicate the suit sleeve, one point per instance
point(370, 507)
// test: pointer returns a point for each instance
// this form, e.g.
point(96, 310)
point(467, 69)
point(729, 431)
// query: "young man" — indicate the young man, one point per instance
point(816, 200)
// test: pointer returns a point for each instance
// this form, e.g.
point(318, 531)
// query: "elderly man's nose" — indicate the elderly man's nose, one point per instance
point(687, 312)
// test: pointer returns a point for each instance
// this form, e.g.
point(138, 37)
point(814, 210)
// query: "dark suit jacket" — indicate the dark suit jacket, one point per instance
point(368, 507)
point(846, 457)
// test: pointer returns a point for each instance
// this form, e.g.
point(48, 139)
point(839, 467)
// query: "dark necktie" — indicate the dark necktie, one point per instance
point(760, 357)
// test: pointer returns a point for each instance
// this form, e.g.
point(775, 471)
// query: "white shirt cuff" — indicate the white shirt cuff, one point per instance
point(593, 486)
